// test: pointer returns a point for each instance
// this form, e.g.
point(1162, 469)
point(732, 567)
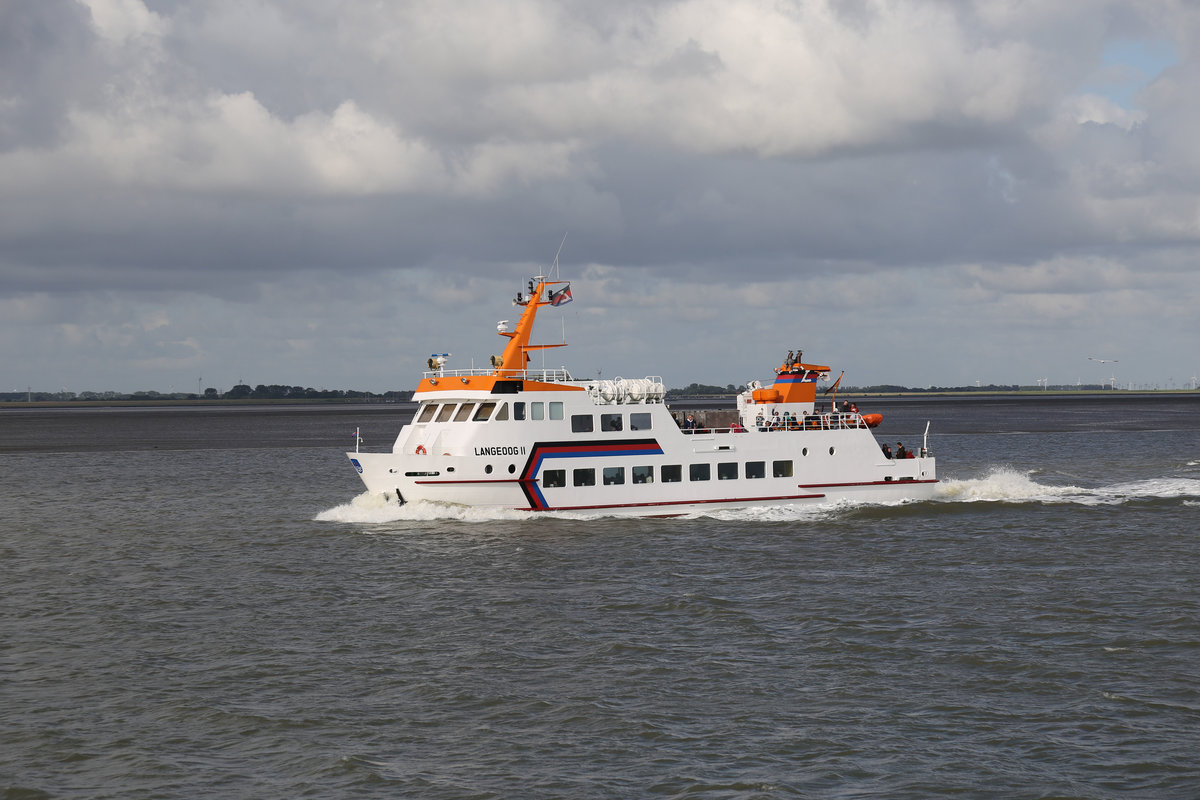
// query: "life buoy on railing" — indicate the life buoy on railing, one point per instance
point(420, 449)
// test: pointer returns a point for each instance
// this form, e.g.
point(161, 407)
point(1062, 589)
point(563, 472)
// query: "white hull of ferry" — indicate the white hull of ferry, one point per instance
point(542, 465)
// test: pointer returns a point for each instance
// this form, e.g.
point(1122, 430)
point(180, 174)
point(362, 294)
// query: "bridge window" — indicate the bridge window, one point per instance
point(502, 414)
point(485, 411)
point(556, 410)
point(446, 411)
point(518, 411)
point(427, 412)
point(464, 412)
point(537, 410)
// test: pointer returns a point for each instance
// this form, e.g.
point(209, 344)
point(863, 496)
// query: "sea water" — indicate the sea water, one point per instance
point(202, 603)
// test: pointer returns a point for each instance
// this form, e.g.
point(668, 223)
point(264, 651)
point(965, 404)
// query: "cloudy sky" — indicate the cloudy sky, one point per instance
point(301, 192)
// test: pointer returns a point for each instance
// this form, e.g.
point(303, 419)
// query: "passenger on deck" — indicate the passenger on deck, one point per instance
point(736, 427)
point(689, 424)
point(887, 450)
point(900, 451)
point(760, 423)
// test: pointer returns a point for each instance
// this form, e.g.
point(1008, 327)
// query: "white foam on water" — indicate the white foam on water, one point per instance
point(1008, 485)
point(376, 509)
point(1000, 485)
point(1162, 488)
point(788, 512)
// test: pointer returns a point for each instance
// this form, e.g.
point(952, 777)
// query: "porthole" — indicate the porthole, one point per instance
point(512, 468)
point(804, 452)
point(831, 451)
point(488, 469)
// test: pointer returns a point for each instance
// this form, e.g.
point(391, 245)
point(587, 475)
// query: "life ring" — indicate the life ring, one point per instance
point(420, 449)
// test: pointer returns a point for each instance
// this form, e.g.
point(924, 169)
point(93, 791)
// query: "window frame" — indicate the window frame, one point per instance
point(613, 476)
point(612, 423)
point(645, 472)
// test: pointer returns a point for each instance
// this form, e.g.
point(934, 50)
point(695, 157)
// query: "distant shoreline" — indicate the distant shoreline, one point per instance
point(196, 403)
point(1028, 394)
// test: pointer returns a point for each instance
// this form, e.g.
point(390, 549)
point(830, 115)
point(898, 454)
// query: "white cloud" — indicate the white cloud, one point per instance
point(120, 21)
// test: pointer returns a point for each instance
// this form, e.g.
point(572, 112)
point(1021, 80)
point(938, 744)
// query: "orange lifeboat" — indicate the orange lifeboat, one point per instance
point(872, 420)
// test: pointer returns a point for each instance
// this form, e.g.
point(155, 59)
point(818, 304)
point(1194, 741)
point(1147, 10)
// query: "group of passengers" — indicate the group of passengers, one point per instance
point(900, 451)
point(689, 426)
point(787, 421)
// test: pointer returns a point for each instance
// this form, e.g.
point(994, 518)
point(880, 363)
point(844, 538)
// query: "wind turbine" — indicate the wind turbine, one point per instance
point(1113, 379)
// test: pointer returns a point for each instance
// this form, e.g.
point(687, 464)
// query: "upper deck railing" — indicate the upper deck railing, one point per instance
point(813, 422)
point(615, 391)
point(546, 375)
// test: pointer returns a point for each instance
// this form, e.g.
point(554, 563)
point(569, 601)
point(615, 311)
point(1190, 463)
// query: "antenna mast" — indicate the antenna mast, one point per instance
point(560, 247)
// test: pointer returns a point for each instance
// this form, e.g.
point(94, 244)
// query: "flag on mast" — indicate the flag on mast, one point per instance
point(561, 297)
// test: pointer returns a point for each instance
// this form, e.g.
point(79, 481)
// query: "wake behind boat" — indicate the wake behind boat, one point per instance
point(510, 437)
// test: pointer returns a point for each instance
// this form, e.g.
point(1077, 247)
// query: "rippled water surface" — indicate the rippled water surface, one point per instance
point(198, 603)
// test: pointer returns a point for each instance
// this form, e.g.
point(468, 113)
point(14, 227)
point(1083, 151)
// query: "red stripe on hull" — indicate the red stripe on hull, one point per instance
point(862, 483)
point(680, 503)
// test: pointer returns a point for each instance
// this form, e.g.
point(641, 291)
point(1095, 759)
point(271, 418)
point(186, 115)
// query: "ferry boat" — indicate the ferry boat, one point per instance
point(511, 437)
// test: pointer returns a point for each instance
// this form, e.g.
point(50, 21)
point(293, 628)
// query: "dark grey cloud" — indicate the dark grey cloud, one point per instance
point(41, 71)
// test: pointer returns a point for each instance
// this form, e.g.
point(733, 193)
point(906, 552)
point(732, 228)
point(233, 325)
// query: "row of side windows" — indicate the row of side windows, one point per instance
point(482, 412)
point(668, 473)
point(586, 423)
